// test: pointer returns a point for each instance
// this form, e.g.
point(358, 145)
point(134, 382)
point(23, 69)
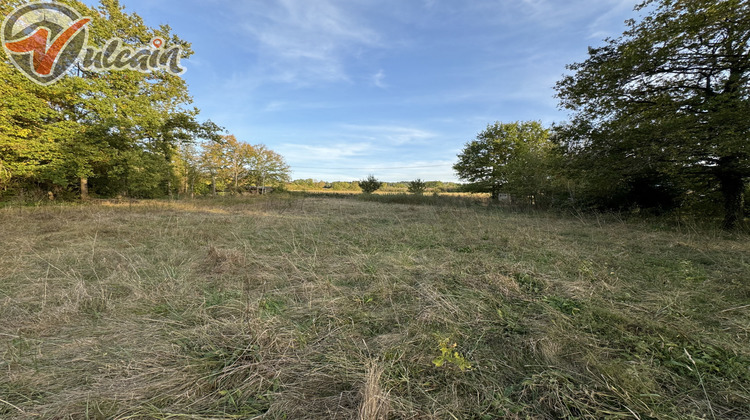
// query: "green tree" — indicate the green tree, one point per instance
point(239, 158)
point(26, 145)
point(370, 184)
point(670, 98)
point(213, 162)
point(187, 166)
point(436, 186)
point(269, 168)
point(417, 187)
point(231, 164)
point(107, 127)
point(506, 158)
point(307, 184)
point(345, 186)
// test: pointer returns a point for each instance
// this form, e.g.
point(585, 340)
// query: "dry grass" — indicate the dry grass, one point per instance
point(325, 192)
point(375, 404)
point(334, 308)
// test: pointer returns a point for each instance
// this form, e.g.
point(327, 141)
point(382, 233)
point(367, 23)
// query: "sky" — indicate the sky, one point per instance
point(394, 88)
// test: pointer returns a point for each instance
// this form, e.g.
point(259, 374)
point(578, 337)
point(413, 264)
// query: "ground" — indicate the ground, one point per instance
point(292, 306)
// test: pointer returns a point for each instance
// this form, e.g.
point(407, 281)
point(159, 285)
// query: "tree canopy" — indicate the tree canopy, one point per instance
point(112, 131)
point(417, 187)
point(506, 158)
point(231, 165)
point(370, 184)
point(667, 100)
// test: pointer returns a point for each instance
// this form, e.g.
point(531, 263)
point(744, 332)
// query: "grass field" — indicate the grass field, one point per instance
point(294, 307)
point(379, 192)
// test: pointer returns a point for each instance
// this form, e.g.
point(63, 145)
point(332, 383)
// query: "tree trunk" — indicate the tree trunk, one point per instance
point(733, 189)
point(213, 185)
point(84, 189)
point(495, 193)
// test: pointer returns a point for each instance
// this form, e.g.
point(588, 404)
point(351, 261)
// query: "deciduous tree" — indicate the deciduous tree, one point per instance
point(269, 167)
point(108, 127)
point(671, 96)
point(505, 157)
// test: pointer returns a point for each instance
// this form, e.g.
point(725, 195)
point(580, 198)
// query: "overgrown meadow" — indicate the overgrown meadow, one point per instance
point(314, 307)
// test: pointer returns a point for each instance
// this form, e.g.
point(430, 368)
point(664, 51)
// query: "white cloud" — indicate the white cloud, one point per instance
point(379, 79)
point(285, 106)
point(426, 170)
point(275, 106)
point(384, 170)
point(389, 134)
point(556, 13)
point(391, 152)
point(304, 42)
point(602, 27)
point(309, 154)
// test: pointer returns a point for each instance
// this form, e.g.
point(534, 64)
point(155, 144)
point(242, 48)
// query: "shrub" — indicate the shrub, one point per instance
point(370, 185)
point(417, 187)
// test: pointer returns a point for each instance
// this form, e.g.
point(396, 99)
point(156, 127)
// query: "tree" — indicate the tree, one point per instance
point(231, 164)
point(417, 187)
point(112, 132)
point(213, 163)
point(25, 146)
point(269, 167)
point(370, 184)
point(239, 158)
point(504, 157)
point(670, 98)
point(345, 186)
point(187, 166)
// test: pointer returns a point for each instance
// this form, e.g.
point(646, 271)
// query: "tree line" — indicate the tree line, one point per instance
point(660, 120)
point(310, 184)
point(228, 166)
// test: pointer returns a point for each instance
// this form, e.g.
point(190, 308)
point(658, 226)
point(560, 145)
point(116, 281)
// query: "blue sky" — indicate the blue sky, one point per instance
point(394, 88)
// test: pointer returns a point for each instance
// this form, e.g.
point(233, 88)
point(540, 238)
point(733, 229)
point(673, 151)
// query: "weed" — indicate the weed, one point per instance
point(449, 355)
point(272, 306)
point(529, 284)
point(566, 306)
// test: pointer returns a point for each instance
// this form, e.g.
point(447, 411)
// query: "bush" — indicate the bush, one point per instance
point(370, 185)
point(417, 187)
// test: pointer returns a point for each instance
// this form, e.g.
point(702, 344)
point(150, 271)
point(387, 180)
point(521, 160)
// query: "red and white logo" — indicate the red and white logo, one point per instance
point(44, 40)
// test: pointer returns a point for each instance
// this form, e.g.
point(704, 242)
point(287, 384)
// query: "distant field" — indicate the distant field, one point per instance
point(448, 194)
point(294, 307)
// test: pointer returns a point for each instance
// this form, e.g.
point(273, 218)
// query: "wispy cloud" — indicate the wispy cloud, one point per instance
point(380, 83)
point(379, 79)
point(385, 170)
point(392, 152)
point(308, 154)
point(556, 13)
point(286, 106)
point(305, 42)
point(602, 27)
point(389, 134)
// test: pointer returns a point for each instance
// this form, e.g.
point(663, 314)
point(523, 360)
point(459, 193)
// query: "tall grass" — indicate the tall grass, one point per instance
point(294, 306)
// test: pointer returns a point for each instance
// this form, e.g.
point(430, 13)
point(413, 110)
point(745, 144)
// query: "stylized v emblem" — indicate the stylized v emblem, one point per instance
point(38, 44)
